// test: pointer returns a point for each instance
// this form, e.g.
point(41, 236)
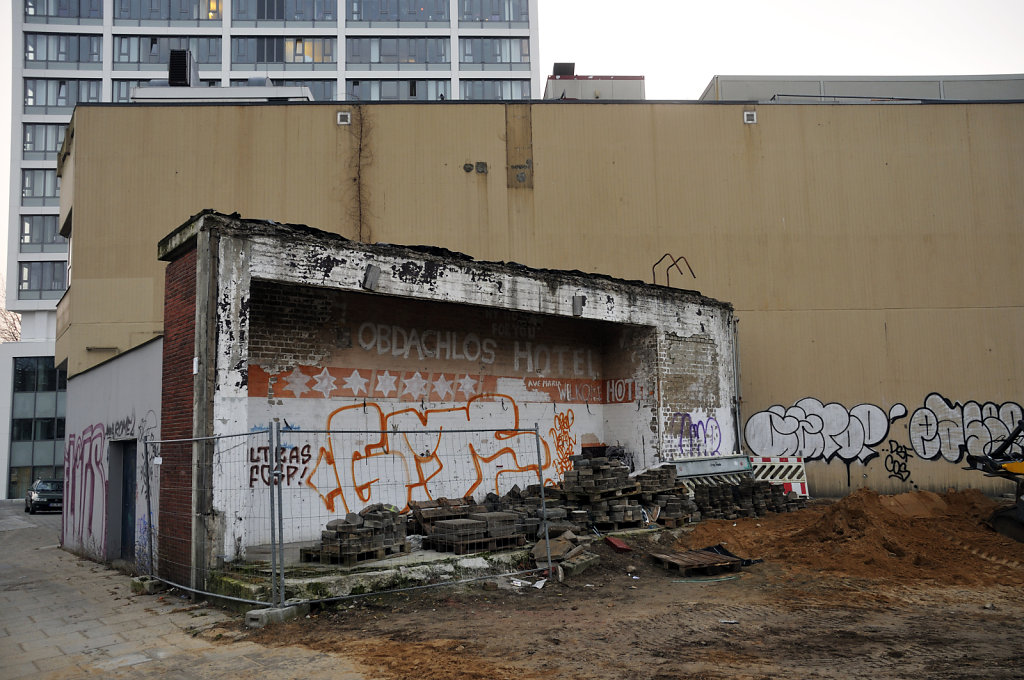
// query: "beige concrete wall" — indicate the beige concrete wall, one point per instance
point(871, 252)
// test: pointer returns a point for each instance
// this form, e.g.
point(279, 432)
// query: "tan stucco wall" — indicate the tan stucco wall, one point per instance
point(871, 252)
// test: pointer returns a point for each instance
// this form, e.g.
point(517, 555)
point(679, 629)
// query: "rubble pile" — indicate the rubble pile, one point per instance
point(373, 533)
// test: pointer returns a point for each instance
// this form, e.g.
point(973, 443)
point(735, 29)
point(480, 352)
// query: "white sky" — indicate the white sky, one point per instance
point(678, 45)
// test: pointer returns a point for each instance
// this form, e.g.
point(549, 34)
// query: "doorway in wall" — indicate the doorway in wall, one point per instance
point(121, 501)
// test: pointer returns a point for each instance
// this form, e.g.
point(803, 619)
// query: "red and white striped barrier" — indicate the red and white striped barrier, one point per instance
point(788, 471)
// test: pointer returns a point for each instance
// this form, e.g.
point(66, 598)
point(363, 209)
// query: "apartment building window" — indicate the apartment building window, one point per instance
point(504, 53)
point(134, 52)
point(278, 50)
point(166, 11)
point(397, 11)
point(397, 90)
point(42, 280)
point(55, 95)
point(494, 89)
point(254, 12)
point(39, 234)
point(44, 49)
point(489, 11)
point(63, 9)
point(42, 141)
point(38, 395)
point(398, 52)
point(39, 187)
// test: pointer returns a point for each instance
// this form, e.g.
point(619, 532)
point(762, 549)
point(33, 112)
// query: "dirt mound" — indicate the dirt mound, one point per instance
point(909, 537)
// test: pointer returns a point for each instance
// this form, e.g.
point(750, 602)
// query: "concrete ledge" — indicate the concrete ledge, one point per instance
point(259, 618)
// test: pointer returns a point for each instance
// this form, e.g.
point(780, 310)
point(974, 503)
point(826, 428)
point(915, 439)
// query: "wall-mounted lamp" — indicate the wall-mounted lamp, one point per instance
point(578, 301)
point(371, 278)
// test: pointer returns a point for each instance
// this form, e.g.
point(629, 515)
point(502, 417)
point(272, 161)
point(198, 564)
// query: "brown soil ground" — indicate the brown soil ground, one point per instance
point(909, 586)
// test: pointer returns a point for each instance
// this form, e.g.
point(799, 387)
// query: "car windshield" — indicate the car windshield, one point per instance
point(49, 486)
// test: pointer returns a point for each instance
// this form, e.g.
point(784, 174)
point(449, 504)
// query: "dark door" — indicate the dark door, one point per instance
point(128, 501)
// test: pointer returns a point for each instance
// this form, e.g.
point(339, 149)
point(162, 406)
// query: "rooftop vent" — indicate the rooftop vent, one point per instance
point(182, 71)
point(564, 69)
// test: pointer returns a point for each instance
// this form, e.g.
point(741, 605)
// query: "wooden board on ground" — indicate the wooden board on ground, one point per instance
point(694, 562)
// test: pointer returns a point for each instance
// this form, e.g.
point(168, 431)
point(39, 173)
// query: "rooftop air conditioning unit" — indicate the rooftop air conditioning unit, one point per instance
point(182, 70)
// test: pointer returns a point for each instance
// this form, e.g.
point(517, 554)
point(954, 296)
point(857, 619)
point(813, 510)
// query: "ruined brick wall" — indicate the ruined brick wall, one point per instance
point(175, 510)
point(282, 317)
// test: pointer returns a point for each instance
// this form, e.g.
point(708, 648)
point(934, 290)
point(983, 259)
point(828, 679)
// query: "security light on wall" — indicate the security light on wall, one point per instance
point(371, 278)
point(750, 117)
point(344, 118)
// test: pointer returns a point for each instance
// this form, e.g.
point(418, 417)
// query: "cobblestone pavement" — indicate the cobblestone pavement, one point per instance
point(66, 617)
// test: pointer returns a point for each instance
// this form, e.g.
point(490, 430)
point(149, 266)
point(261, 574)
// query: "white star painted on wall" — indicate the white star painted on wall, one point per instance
point(296, 381)
point(356, 382)
point(467, 386)
point(386, 383)
point(443, 387)
point(415, 386)
point(325, 383)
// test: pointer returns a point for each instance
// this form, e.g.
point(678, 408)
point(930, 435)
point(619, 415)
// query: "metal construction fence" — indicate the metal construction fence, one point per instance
point(283, 514)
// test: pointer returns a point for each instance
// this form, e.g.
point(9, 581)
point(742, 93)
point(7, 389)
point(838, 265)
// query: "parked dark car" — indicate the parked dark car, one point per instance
point(45, 494)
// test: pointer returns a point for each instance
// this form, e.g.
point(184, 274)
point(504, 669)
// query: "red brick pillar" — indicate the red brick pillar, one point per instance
point(175, 511)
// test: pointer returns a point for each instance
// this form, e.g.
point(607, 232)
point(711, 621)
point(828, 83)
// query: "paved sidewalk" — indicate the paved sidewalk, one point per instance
point(65, 617)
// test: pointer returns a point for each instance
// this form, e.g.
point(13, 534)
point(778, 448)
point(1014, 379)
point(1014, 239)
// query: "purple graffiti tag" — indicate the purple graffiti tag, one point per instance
point(698, 437)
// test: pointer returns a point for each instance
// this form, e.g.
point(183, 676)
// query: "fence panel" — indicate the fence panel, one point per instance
point(202, 493)
point(279, 513)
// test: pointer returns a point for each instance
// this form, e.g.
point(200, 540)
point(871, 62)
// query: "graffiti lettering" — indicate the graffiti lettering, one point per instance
point(539, 358)
point(896, 462)
point(621, 391)
point(697, 437)
point(820, 431)
point(951, 430)
point(565, 443)
point(413, 443)
point(122, 429)
point(85, 503)
point(428, 344)
point(290, 461)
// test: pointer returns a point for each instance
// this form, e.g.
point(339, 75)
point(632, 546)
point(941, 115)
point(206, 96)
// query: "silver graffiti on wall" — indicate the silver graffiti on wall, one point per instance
point(817, 431)
point(942, 428)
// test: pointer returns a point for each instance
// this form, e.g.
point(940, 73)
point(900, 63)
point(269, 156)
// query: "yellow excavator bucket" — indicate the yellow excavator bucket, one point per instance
point(1016, 468)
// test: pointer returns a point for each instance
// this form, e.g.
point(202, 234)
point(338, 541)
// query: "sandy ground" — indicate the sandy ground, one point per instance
point(910, 586)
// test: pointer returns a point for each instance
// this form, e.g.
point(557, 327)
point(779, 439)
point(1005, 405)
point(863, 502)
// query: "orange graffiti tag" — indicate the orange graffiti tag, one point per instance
point(565, 443)
point(397, 456)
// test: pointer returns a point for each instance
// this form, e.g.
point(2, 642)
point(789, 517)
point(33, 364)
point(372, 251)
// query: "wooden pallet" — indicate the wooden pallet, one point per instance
point(673, 522)
point(694, 562)
point(600, 494)
point(605, 526)
point(486, 544)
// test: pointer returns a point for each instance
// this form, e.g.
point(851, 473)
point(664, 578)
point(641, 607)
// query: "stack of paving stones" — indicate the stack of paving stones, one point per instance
point(426, 514)
point(746, 499)
point(461, 525)
point(661, 488)
point(594, 477)
point(373, 533)
point(602, 487)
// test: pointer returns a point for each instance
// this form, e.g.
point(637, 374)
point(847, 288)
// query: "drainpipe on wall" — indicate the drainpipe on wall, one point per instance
point(736, 399)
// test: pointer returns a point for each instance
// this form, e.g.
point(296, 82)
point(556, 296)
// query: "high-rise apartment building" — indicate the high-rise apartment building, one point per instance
point(71, 51)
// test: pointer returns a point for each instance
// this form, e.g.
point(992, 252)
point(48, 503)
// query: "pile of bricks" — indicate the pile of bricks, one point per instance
point(746, 499)
point(373, 533)
point(597, 477)
point(460, 525)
